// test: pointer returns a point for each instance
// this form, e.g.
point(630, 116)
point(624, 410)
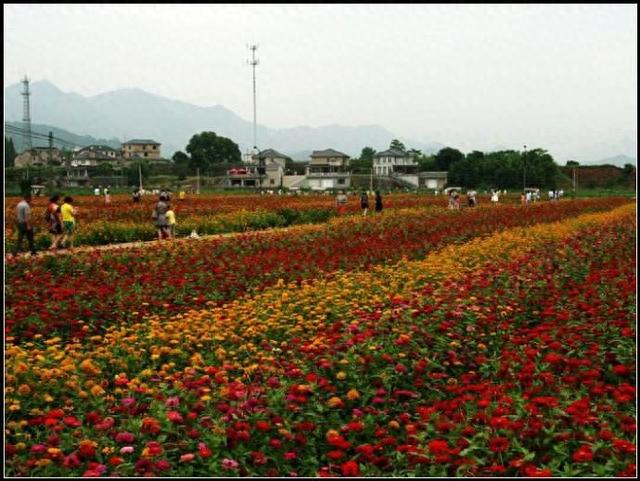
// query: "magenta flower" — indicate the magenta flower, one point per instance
point(229, 463)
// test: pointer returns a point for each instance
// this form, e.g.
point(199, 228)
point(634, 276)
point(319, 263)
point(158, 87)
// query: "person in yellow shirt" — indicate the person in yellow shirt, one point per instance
point(182, 195)
point(68, 221)
point(171, 222)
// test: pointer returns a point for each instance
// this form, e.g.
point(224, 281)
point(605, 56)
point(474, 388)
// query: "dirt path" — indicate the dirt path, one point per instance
point(129, 245)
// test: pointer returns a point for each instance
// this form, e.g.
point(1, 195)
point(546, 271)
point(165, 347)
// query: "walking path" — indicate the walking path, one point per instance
point(129, 245)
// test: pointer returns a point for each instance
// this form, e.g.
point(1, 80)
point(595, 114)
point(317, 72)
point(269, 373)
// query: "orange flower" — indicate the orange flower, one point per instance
point(335, 402)
point(353, 394)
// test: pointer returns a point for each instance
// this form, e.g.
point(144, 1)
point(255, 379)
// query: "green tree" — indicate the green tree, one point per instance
point(397, 145)
point(207, 149)
point(104, 169)
point(572, 163)
point(132, 172)
point(446, 157)
point(9, 152)
point(426, 163)
point(364, 163)
point(181, 165)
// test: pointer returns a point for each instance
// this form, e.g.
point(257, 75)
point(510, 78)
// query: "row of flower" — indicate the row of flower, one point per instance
point(508, 355)
point(125, 221)
point(91, 290)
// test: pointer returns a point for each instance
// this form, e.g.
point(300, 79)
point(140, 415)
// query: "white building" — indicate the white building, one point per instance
point(390, 161)
point(328, 169)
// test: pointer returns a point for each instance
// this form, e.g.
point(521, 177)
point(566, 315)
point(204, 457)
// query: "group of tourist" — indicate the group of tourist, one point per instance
point(341, 202)
point(164, 217)
point(60, 218)
point(454, 199)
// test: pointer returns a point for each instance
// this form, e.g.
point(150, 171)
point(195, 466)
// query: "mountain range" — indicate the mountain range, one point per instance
point(134, 113)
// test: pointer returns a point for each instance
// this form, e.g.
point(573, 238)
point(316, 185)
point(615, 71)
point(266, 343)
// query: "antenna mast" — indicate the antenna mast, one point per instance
point(26, 117)
point(253, 62)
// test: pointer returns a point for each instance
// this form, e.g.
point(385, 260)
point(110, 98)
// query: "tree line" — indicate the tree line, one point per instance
point(485, 170)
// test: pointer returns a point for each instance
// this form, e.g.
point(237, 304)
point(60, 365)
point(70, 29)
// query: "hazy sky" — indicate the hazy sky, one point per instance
point(481, 76)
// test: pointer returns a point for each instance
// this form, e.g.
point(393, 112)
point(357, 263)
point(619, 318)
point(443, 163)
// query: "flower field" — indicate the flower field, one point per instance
point(67, 295)
point(496, 341)
point(123, 221)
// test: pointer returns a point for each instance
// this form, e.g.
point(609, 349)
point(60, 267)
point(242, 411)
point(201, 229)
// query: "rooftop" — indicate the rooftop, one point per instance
point(271, 153)
point(328, 153)
point(392, 153)
point(141, 141)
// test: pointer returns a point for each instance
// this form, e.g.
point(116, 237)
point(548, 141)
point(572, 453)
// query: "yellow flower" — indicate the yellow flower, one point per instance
point(341, 375)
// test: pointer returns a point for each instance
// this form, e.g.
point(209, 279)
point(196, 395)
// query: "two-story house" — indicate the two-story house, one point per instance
point(328, 169)
point(266, 169)
point(394, 161)
point(91, 155)
point(141, 148)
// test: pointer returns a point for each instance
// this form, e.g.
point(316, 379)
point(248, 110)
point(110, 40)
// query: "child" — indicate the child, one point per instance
point(171, 222)
point(68, 221)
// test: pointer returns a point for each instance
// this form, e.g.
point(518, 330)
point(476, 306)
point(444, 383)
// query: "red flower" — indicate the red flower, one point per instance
point(335, 454)
point(498, 444)
point(350, 468)
point(583, 455)
point(438, 447)
point(174, 417)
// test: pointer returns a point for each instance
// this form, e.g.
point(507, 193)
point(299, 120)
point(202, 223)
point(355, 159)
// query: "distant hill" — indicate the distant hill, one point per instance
point(58, 133)
point(135, 113)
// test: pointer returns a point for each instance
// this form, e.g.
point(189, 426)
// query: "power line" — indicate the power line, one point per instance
point(38, 135)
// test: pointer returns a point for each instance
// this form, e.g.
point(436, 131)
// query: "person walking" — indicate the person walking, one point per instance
point(54, 219)
point(68, 221)
point(494, 196)
point(378, 201)
point(160, 217)
point(341, 203)
point(471, 198)
point(364, 203)
point(107, 196)
point(171, 222)
point(24, 225)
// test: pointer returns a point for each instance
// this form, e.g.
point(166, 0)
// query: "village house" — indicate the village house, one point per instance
point(141, 148)
point(92, 155)
point(39, 156)
point(265, 169)
point(394, 161)
point(328, 169)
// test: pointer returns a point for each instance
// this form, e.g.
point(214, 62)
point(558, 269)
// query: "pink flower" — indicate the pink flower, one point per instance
point(127, 401)
point(187, 457)
point(289, 455)
point(125, 438)
point(174, 417)
point(229, 463)
point(126, 450)
point(172, 402)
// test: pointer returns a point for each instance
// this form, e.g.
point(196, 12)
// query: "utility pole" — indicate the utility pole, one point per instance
point(140, 174)
point(253, 62)
point(524, 171)
point(198, 180)
point(574, 182)
point(50, 146)
point(371, 181)
point(26, 116)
